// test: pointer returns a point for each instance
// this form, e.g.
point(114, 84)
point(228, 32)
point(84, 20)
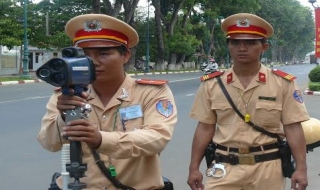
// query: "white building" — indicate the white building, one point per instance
point(11, 62)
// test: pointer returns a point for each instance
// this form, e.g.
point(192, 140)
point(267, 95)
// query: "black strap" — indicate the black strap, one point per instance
point(262, 130)
point(250, 149)
point(106, 172)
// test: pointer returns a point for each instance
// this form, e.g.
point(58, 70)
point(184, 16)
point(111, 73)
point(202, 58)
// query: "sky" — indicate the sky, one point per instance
point(306, 3)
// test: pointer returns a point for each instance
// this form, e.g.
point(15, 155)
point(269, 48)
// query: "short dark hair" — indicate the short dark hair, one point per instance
point(121, 49)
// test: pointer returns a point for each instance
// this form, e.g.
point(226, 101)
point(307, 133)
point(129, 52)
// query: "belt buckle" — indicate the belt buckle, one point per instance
point(244, 150)
point(246, 159)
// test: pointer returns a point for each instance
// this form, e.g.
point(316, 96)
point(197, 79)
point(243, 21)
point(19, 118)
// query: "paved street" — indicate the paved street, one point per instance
point(24, 164)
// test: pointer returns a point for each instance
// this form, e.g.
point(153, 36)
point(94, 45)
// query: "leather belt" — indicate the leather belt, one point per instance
point(246, 159)
point(247, 150)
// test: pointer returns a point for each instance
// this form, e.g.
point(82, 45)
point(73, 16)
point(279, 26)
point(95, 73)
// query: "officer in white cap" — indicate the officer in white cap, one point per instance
point(246, 158)
point(131, 120)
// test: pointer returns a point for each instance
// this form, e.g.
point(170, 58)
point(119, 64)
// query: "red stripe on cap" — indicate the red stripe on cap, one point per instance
point(234, 29)
point(101, 34)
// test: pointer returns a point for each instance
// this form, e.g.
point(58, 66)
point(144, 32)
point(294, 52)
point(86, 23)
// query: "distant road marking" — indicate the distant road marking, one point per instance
point(184, 79)
point(190, 95)
point(29, 98)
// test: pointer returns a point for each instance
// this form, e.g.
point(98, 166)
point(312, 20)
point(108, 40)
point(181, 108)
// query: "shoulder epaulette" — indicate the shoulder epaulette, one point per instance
point(151, 82)
point(211, 75)
point(57, 89)
point(284, 75)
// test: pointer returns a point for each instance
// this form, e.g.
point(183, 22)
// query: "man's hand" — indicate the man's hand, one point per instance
point(69, 102)
point(195, 180)
point(82, 130)
point(299, 180)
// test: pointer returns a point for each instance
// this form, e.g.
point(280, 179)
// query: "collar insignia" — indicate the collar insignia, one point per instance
point(243, 23)
point(93, 25)
point(124, 94)
point(262, 77)
point(229, 78)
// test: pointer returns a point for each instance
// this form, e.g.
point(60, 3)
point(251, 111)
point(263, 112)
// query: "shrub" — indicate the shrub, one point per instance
point(314, 86)
point(314, 75)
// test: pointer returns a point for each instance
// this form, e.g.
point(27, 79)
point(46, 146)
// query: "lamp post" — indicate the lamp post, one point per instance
point(25, 72)
point(312, 2)
point(148, 41)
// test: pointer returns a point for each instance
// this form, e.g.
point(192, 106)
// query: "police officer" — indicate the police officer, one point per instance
point(131, 120)
point(247, 159)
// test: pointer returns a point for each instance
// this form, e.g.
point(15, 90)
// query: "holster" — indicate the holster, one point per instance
point(286, 161)
point(210, 153)
point(168, 185)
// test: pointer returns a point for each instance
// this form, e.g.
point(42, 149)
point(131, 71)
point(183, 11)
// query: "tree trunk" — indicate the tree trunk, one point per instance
point(96, 6)
point(159, 35)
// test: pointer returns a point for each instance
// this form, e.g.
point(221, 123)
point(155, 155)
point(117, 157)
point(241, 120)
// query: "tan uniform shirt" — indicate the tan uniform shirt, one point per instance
point(272, 102)
point(133, 146)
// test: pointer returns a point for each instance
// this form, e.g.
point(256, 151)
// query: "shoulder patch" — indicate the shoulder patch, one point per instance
point(211, 75)
point(284, 75)
point(151, 82)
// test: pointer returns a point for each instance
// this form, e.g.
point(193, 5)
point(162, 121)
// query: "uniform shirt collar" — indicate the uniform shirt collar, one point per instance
point(124, 93)
point(260, 77)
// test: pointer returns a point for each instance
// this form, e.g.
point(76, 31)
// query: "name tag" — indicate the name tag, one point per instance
point(267, 98)
point(131, 112)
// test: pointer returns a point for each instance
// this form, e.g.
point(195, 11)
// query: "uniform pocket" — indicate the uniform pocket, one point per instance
point(224, 111)
point(268, 114)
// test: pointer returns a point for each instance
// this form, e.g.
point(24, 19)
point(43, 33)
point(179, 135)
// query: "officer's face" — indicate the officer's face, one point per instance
point(246, 51)
point(108, 62)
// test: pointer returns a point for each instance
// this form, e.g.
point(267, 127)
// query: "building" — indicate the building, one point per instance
point(11, 59)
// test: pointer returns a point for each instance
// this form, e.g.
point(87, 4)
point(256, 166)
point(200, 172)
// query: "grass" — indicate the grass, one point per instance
point(4, 79)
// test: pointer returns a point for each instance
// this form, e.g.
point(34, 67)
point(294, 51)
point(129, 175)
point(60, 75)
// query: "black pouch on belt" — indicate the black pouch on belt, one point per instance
point(286, 162)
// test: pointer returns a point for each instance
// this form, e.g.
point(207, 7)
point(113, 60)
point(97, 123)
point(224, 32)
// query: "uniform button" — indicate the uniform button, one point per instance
point(104, 117)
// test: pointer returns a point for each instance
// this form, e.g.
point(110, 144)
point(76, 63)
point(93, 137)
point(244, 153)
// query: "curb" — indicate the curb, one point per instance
point(136, 74)
point(20, 82)
point(309, 92)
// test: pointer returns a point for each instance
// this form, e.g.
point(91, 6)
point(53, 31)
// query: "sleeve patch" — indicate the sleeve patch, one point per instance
point(165, 108)
point(297, 96)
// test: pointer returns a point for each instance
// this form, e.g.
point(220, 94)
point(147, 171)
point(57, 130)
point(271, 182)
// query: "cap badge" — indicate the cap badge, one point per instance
point(243, 23)
point(93, 25)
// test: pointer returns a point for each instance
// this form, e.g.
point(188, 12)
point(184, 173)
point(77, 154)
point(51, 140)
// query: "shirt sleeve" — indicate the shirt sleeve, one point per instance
point(51, 127)
point(154, 133)
point(201, 108)
point(294, 109)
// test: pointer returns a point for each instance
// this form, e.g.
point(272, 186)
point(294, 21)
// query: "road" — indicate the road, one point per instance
point(24, 164)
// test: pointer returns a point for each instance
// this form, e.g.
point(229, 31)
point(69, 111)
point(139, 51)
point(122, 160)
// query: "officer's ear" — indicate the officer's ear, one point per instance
point(265, 46)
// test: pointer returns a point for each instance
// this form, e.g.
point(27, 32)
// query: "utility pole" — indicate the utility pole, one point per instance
point(25, 72)
point(148, 41)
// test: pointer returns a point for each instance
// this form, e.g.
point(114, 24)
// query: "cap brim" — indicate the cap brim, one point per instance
point(97, 44)
point(244, 37)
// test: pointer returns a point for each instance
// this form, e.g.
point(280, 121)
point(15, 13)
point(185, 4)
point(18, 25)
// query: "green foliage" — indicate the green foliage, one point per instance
point(314, 86)
point(314, 75)
point(183, 43)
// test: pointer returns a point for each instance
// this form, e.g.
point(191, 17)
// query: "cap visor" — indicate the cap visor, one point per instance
point(244, 36)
